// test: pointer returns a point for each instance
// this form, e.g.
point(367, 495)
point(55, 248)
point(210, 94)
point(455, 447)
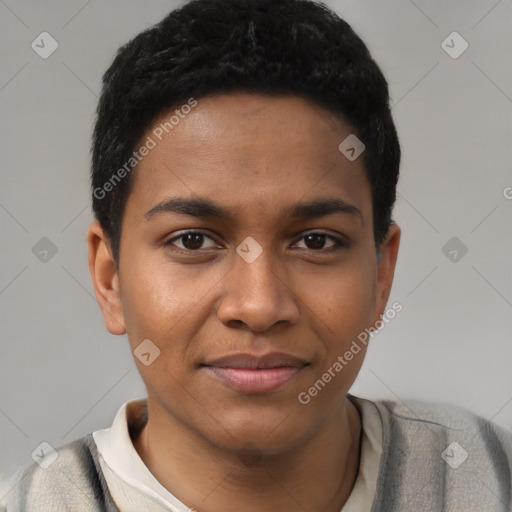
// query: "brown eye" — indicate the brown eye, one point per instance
point(190, 241)
point(316, 242)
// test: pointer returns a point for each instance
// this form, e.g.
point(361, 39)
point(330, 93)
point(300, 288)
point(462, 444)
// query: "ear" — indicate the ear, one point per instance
point(386, 263)
point(105, 279)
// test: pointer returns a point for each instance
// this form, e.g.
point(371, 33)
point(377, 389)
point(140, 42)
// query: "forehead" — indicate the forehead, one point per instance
point(252, 153)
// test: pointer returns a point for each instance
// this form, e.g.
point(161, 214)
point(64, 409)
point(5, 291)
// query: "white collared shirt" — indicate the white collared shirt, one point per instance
point(134, 488)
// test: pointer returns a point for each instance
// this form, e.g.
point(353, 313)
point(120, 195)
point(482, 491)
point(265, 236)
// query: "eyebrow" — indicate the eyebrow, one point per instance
point(206, 209)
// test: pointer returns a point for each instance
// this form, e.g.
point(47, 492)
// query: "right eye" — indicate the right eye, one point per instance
point(191, 241)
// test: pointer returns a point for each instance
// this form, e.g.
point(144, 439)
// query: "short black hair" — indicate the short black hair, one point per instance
point(208, 47)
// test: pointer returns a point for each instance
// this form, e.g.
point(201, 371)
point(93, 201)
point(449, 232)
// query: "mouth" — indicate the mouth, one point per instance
point(252, 374)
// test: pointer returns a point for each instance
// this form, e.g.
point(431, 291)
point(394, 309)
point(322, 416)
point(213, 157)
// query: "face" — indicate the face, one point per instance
point(247, 258)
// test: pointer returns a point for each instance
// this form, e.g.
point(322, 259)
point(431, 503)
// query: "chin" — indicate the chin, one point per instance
point(269, 434)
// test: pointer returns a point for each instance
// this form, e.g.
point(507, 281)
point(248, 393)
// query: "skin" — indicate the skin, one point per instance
point(214, 448)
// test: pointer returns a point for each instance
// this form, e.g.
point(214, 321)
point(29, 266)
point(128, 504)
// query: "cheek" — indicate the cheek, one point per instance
point(343, 307)
point(157, 294)
point(168, 305)
point(157, 301)
point(343, 310)
point(352, 313)
point(158, 306)
point(343, 301)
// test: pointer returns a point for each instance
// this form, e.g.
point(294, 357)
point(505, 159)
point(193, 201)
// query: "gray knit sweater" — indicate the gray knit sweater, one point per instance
point(434, 458)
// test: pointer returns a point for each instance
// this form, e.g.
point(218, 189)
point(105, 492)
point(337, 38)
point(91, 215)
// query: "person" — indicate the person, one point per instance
point(244, 172)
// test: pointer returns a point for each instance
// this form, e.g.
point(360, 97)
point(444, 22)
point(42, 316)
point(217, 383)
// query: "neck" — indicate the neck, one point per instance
point(319, 474)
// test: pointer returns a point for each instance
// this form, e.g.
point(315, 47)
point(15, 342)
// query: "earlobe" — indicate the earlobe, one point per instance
point(105, 279)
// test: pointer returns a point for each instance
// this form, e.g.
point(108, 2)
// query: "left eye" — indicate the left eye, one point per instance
point(317, 240)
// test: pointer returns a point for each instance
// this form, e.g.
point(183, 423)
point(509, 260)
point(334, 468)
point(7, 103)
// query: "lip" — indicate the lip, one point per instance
point(249, 373)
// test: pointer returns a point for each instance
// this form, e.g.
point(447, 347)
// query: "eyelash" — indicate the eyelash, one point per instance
point(339, 243)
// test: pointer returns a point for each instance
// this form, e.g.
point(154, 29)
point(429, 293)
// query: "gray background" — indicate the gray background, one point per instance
point(62, 375)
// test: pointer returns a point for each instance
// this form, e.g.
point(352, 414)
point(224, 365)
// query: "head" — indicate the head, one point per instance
point(228, 220)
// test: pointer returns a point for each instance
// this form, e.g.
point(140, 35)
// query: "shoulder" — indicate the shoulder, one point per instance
point(68, 475)
point(417, 416)
point(435, 424)
point(437, 456)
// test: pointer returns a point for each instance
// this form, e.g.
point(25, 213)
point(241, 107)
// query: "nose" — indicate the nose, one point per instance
point(257, 295)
